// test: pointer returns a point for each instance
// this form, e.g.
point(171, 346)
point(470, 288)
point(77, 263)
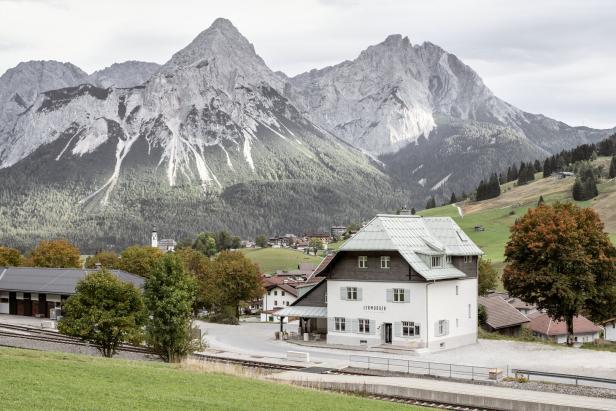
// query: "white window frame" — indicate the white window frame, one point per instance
point(399, 295)
point(410, 329)
point(351, 293)
point(275, 292)
point(363, 326)
point(438, 260)
point(385, 262)
point(362, 261)
point(340, 324)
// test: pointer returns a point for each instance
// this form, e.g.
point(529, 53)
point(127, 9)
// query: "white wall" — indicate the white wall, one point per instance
point(276, 296)
point(4, 307)
point(610, 331)
point(442, 304)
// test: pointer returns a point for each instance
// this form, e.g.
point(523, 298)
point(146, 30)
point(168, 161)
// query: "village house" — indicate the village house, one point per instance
point(166, 245)
point(544, 327)
point(402, 280)
point(41, 292)
point(502, 316)
point(609, 329)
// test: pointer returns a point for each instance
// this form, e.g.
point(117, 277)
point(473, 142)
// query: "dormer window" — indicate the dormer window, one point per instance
point(437, 261)
point(362, 261)
point(385, 261)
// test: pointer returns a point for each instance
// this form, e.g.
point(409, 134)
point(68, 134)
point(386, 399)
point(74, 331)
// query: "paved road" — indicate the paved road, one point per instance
point(256, 339)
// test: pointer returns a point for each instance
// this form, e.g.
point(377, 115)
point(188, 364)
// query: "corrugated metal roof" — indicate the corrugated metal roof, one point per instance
point(303, 311)
point(52, 280)
point(501, 314)
point(413, 236)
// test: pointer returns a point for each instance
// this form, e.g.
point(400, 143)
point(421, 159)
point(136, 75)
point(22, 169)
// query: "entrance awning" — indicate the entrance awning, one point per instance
point(303, 311)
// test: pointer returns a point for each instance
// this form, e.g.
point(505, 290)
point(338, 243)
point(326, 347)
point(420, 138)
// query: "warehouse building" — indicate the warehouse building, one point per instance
point(402, 280)
point(38, 292)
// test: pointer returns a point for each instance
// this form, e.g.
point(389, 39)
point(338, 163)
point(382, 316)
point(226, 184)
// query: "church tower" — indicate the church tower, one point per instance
point(154, 238)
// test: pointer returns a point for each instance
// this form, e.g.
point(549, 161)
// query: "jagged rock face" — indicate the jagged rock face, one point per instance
point(212, 116)
point(123, 75)
point(393, 92)
point(20, 85)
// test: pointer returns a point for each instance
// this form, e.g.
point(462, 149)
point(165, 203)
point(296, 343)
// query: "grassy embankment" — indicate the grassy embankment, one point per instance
point(498, 214)
point(272, 259)
point(53, 381)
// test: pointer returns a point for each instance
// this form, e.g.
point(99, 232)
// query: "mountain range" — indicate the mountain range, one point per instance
point(214, 139)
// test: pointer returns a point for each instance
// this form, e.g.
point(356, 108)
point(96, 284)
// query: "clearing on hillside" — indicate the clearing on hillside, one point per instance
point(272, 259)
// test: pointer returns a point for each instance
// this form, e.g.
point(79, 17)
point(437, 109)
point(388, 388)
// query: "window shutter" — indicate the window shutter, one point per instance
point(398, 329)
point(447, 327)
point(436, 334)
point(407, 295)
point(417, 331)
point(372, 327)
point(390, 295)
point(343, 293)
point(359, 294)
point(331, 324)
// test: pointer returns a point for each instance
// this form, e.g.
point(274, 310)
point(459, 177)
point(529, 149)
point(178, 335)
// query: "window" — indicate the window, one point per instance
point(286, 303)
point(364, 326)
point(457, 322)
point(468, 258)
point(275, 303)
point(325, 297)
point(469, 311)
point(409, 329)
point(362, 261)
point(448, 259)
point(457, 290)
point(282, 293)
point(399, 295)
point(436, 261)
point(442, 328)
point(269, 292)
point(275, 292)
point(340, 324)
point(352, 293)
point(385, 261)
point(4, 300)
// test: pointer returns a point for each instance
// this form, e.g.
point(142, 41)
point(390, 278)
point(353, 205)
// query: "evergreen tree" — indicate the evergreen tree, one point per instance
point(612, 172)
point(431, 203)
point(541, 201)
point(538, 166)
point(547, 168)
point(453, 198)
point(412, 210)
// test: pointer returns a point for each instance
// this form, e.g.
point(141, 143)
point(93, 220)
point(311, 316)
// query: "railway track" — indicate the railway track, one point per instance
point(422, 403)
point(248, 363)
point(35, 334)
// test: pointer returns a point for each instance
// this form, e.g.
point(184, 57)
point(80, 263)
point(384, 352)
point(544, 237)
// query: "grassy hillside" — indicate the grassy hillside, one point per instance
point(498, 214)
point(53, 381)
point(272, 259)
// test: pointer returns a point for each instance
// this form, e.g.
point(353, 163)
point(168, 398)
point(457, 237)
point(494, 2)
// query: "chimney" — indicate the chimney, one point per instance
point(404, 211)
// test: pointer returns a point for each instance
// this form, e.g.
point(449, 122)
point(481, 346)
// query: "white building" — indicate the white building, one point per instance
point(609, 330)
point(276, 297)
point(403, 280)
point(166, 245)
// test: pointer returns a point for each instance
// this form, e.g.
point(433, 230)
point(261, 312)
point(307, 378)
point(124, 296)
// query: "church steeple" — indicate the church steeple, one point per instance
point(154, 238)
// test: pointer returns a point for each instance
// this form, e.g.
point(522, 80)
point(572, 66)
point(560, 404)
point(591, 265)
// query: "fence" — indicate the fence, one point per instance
point(565, 378)
point(422, 367)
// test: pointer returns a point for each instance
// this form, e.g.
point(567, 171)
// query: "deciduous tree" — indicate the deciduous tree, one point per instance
point(169, 299)
point(231, 279)
point(261, 241)
point(316, 244)
point(56, 254)
point(559, 258)
point(488, 277)
point(140, 260)
point(106, 259)
point(10, 257)
point(205, 243)
point(104, 311)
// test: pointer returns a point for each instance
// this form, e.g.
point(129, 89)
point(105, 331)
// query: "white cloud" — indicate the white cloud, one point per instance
point(553, 57)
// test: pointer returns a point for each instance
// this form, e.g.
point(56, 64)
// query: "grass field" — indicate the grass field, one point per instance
point(498, 214)
point(53, 381)
point(272, 259)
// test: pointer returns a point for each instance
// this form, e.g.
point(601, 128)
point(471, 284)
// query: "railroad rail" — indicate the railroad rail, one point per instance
point(35, 334)
point(423, 403)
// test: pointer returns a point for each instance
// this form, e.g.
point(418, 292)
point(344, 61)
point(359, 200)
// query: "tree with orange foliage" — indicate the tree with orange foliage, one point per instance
point(560, 259)
point(10, 257)
point(56, 254)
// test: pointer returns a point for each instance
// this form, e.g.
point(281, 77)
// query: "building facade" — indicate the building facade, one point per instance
point(403, 280)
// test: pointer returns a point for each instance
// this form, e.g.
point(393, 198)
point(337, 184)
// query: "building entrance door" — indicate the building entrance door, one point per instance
point(387, 333)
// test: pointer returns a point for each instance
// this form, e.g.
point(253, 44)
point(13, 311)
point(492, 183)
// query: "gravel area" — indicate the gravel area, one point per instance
point(68, 348)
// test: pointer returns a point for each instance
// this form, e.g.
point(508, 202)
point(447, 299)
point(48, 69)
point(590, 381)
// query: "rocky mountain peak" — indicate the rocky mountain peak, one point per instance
point(123, 75)
point(225, 57)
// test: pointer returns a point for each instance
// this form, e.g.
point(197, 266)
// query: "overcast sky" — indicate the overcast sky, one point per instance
point(552, 57)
